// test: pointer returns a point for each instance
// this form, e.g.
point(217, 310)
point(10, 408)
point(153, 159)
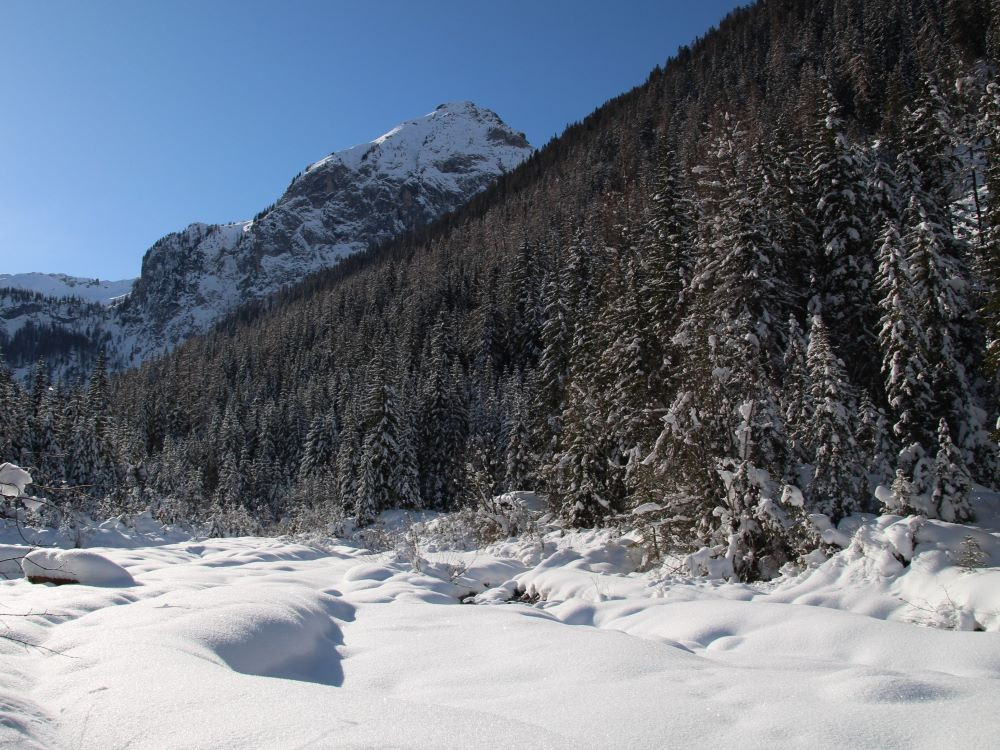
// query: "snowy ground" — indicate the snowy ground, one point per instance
point(259, 642)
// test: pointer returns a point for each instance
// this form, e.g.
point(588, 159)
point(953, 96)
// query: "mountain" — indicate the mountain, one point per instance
point(736, 309)
point(61, 285)
point(740, 297)
point(61, 318)
point(343, 203)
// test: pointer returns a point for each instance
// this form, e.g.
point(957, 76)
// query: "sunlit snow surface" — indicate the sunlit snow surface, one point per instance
point(61, 285)
point(258, 642)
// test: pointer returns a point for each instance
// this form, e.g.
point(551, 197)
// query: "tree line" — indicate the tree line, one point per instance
point(752, 290)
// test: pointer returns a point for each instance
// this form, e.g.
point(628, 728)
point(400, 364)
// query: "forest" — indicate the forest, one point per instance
point(760, 290)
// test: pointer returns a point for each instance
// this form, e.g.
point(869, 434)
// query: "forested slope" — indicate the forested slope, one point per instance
point(754, 288)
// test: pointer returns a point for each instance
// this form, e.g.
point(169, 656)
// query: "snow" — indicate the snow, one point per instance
point(13, 480)
point(260, 642)
point(74, 566)
point(418, 147)
point(339, 206)
point(61, 285)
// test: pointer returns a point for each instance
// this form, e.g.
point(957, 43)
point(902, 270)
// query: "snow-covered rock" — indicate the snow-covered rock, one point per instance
point(13, 480)
point(341, 204)
point(74, 566)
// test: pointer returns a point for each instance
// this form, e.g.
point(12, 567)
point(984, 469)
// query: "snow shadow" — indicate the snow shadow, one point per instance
point(272, 631)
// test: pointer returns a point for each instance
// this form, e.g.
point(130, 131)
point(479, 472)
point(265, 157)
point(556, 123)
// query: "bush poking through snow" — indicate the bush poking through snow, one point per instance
point(408, 548)
point(971, 555)
point(492, 520)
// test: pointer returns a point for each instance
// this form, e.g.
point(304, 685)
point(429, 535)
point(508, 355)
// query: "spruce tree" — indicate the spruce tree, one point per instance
point(844, 268)
point(580, 475)
point(902, 343)
point(835, 488)
point(952, 484)
point(518, 465)
point(943, 311)
point(387, 468)
point(796, 389)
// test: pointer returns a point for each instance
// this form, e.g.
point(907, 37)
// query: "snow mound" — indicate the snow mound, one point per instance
point(74, 566)
point(13, 480)
point(369, 572)
point(269, 630)
point(929, 572)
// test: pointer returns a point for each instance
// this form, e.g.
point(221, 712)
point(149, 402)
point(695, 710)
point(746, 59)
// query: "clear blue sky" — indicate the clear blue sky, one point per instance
point(123, 120)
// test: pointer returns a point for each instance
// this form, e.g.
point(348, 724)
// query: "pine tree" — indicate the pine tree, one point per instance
point(11, 416)
point(518, 467)
point(441, 438)
point(580, 472)
point(796, 403)
point(628, 370)
point(835, 489)
point(844, 268)
point(951, 484)
point(902, 342)
point(926, 163)
point(740, 268)
point(552, 374)
point(526, 303)
point(665, 258)
point(321, 445)
point(940, 285)
point(882, 188)
point(751, 528)
point(990, 243)
point(901, 498)
point(347, 473)
point(98, 398)
point(872, 436)
point(387, 462)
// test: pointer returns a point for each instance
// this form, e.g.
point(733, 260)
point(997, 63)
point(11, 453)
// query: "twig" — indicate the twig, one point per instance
point(29, 644)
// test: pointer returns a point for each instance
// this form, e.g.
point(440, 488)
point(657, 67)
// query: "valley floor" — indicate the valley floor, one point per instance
point(260, 642)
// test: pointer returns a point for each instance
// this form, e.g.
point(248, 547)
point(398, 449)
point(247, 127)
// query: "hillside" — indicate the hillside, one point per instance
point(677, 307)
point(340, 205)
point(683, 432)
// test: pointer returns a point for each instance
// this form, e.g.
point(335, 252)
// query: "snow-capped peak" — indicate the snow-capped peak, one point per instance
point(455, 137)
point(352, 199)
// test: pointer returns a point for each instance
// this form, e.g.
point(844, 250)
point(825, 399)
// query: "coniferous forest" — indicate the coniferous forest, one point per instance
point(761, 286)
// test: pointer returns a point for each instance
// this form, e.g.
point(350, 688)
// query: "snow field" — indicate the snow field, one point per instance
point(267, 643)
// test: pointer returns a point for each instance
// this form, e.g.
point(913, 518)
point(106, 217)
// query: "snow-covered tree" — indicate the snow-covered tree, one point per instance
point(796, 389)
point(902, 342)
point(386, 467)
point(835, 488)
point(844, 267)
point(581, 473)
point(752, 527)
point(951, 485)
point(321, 445)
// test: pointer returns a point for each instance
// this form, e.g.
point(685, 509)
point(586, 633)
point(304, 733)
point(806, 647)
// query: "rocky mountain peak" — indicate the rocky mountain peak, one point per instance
point(361, 196)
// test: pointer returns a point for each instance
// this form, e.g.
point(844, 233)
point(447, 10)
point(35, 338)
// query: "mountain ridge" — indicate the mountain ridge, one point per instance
point(339, 205)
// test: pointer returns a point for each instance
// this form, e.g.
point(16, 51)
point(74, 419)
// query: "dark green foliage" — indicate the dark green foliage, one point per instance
point(621, 319)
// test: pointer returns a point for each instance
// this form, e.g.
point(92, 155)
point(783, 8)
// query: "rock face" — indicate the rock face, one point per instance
point(341, 204)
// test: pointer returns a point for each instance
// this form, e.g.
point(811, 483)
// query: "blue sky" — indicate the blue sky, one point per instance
point(121, 120)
